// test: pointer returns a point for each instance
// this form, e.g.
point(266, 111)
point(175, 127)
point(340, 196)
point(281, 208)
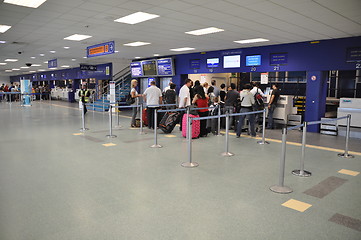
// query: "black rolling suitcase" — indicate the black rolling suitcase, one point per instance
point(168, 122)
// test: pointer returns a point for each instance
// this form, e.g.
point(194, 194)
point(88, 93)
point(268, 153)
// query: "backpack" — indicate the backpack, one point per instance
point(129, 100)
point(258, 101)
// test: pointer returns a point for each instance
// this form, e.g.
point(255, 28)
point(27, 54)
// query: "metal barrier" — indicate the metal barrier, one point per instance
point(263, 141)
point(83, 129)
point(189, 164)
point(111, 119)
point(155, 145)
point(302, 172)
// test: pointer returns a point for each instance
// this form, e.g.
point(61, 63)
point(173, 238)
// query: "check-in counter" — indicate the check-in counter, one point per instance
point(284, 108)
point(350, 106)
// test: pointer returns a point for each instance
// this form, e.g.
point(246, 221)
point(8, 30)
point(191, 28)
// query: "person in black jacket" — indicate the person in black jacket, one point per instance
point(170, 96)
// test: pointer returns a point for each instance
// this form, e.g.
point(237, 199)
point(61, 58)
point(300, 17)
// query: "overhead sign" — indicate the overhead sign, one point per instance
point(278, 58)
point(53, 63)
point(165, 67)
point(101, 49)
point(88, 67)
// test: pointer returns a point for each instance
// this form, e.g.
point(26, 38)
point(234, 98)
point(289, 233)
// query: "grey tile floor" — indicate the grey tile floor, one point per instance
point(56, 185)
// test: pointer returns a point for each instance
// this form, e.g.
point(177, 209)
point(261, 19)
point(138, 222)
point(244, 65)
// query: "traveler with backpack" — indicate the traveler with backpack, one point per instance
point(230, 101)
point(170, 96)
point(259, 102)
point(247, 102)
point(134, 101)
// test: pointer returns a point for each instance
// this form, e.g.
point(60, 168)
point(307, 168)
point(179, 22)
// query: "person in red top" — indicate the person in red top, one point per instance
point(201, 100)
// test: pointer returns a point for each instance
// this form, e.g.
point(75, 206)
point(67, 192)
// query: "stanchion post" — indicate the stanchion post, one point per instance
point(302, 172)
point(263, 141)
point(346, 154)
point(190, 163)
point(118, 118)
point(219, 121)
point(280, 188)
point(110, 123)
point(83, 129)
point(141, 132)
point(227, 153)
point(155, 145)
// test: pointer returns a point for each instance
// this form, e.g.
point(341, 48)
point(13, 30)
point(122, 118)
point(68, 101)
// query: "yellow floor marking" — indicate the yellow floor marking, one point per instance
point(297, 205)
point(349, 172)
point(170, 136)
point(133, 128)
point(109, 144)
point(299, 144)
point(77, 134)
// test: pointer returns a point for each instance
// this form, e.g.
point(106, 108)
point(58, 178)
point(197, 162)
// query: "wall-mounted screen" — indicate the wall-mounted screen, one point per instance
point(195, 64)
point(212, 62)
point(149, 67)
point(253, 60)
point(353, 54)
point(136, 69)
point(233, 61)
point(278, 58)
point(165, 67)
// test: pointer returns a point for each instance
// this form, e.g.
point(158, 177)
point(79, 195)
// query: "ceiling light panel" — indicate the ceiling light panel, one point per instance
point(136, 18)
point(182, 49)
point(255, 40)
point(2, 41)
point(36, 65)
point(8, 70)
point(77, 37)
point(4, 28)
point(136, 44)
point(205, 31)
point(26, 3)
point(11, 60)
point(3, 63)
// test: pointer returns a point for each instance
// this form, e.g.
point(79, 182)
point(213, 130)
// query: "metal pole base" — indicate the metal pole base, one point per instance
point(156, 146)
point(119, 126)
point(219, 135)
point(345, 155)
point(227, 154)
point(190, 165)
point(263, 142)
point(281, 189)
point(84, 129)
point(142, 133)
point(303, 174)
point(111, 136)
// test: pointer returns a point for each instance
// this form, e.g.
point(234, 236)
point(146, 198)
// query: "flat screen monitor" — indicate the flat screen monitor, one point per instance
point(253, 60)
point(149, 67)
point(136, 69)
point(165, 67)
point(212, 62)
point(195, 64)
point(233, 61)
point(278, 58)
point(353, 54)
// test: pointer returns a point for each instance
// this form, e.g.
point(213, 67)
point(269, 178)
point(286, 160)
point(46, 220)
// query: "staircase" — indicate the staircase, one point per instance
point(122, 88)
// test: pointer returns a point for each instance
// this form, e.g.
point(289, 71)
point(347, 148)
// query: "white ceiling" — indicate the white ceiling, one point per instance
point(281, 21)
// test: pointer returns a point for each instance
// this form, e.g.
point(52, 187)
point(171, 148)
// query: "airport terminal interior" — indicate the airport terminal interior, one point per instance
point(75, 163)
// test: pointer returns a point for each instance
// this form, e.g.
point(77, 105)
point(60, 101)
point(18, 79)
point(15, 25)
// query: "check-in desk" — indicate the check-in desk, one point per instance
point(350, 106)
point(284, 108)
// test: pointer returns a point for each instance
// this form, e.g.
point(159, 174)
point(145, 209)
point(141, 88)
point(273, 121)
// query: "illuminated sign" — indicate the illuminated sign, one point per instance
point(101, 49)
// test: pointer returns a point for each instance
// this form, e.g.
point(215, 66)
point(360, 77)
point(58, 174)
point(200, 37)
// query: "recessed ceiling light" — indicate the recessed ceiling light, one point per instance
point(77, 37)
point(4, 28)
point(138, 57)
point(42, 54)
point(136, 44)
point(156, 55)
point(182, 49)
point(36, 65)
point(73, 59)
point(2, 41)
point(32, 71)
point(255, 40)
point(24, 67)
point(84, 57)
point(65, 66)
point(205, 31)
point(54, 68)
point(3, 63)
point(16, 69)
point(116, 51)
point(46, 62)
point(33, 57)
point(8, 70)
point(11, 60)
point(26, 3)
point(136, 18)
point(41, 70)
point(52, 51)
point(66, 47)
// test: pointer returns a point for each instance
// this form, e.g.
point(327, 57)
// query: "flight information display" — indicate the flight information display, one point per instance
point(136, 69)
point(253, 60)
point(278, 58)
point(232, 61)
point(195, 63)
point(149, 67)
point(212, 62)
point(165, 67)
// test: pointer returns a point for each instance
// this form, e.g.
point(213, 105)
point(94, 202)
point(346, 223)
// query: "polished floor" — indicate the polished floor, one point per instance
point(57, 183)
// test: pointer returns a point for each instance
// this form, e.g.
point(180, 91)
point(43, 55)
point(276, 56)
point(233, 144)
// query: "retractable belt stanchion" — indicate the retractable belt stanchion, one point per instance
point(83, 129)
point(219, 121)
point(111, 123)
point(346, 154)
point(280, 188)
point(118, 124)
point(155, 145)
point(263, 141)
point(302, 172)
point(227, 153)
point(141, 132)
point(189, 164)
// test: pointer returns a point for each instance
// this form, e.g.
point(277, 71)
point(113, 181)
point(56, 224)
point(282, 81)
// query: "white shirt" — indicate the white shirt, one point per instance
point(184, 93)
point(152, 95)
point(246, 98)
point(166, 88)
point(136, 98)
point(255, 90)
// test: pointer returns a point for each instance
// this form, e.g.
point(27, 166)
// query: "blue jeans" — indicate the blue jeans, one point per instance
point(270, 116)
point(250, 118)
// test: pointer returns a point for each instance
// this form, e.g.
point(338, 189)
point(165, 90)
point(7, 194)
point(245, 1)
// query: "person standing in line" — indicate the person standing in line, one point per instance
point(247, 101)
point(134, 94)
point(216, 89)
point(256, 90)
point(201, 100)
point(205, 87)
point(222, 92)
point(170, 96)
point(230, 101)
point(84, 96)
point(272, 105)
point(167, 87)
point(184, 98)
point(153, 97)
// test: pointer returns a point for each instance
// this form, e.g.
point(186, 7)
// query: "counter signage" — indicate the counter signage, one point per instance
point(88, 67)
point(195, 63)
point(136, 69)
point(278, 58)
point(53, 63)
point(353, 54)
point(165, 67)
point(100, 49)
